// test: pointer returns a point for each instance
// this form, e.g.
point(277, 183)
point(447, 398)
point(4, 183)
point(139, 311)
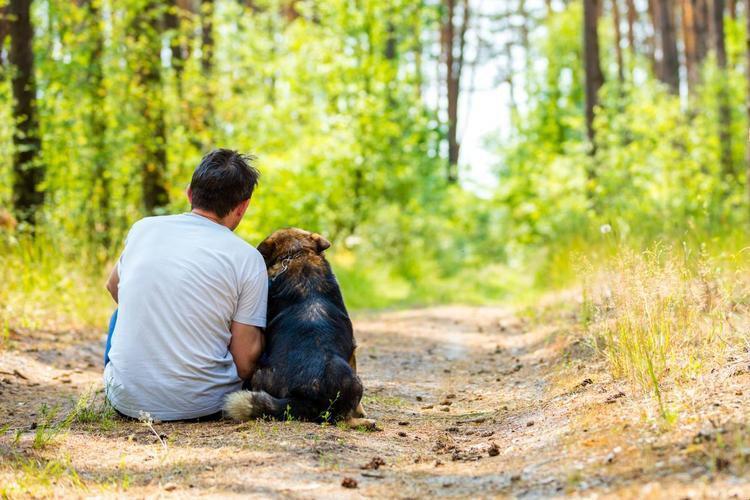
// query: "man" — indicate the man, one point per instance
point(192, 301)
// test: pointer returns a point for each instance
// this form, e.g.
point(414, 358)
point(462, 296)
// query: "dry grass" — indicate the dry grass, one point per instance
point(665, 316)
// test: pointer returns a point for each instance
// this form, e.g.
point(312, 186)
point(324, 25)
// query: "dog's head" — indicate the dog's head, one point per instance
point(290, 242)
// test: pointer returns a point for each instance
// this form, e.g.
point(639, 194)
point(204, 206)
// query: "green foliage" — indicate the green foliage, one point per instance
point(657, 162)
point(330, 102)
point(336, 104)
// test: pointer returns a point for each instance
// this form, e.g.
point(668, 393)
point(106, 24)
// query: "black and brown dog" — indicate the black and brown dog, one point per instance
point(308, 368)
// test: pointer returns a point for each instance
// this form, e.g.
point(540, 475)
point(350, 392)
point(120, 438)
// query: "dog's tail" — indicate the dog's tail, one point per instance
point(246, 405)
point(341, 396)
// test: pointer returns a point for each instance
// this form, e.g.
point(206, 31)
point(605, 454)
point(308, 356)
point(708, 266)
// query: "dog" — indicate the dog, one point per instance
point(308, 369)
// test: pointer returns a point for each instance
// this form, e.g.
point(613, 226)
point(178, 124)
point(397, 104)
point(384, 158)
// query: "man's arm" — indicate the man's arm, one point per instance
point(246, 347)
point(113, 283)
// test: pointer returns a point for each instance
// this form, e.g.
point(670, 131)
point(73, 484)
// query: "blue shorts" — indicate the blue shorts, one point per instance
point(112, 323)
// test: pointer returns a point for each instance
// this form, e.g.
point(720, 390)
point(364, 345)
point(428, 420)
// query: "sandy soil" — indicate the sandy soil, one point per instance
point(473, 402)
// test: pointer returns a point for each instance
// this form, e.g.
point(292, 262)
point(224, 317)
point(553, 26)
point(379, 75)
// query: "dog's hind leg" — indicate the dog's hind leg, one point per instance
point(359, 411)
point(353, 360)
point(367, 424)
point(356, 418)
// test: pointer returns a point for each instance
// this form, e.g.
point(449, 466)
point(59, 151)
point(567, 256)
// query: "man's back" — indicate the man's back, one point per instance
point(183, 280)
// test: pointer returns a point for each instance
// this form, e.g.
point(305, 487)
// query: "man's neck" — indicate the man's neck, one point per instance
point(210, 216)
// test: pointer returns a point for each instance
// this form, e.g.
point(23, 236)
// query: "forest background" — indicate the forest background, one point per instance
point(627, 129)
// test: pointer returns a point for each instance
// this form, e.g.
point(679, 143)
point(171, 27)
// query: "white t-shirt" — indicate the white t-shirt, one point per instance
point(183, 280)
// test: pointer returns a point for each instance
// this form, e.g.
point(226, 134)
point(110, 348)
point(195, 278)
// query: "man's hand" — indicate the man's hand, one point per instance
point(113, 283)
point(246, 347)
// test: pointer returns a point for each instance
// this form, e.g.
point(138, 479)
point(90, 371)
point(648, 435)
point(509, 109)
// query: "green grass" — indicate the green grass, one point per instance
point(36, 477)
point(93, 409)
point(48, 427)
point(378, 285)
point(49, 283)
point(392, 401)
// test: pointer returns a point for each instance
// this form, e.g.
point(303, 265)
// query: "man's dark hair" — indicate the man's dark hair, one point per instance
point(223, 180)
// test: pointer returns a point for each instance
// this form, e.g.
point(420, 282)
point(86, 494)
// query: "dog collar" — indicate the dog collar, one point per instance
point(285, 263)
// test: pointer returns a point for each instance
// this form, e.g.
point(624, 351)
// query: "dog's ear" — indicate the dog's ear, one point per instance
point(320, 242)
point(266, 249)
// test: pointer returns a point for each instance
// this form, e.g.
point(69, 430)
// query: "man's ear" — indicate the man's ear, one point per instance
point(189, 193)
point(242, 207)
point(321, 242)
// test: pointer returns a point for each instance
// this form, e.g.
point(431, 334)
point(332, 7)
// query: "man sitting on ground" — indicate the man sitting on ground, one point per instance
point(192, 301)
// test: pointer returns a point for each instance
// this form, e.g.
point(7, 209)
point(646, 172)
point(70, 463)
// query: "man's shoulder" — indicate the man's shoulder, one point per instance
point(246, 249)
point(153, 220)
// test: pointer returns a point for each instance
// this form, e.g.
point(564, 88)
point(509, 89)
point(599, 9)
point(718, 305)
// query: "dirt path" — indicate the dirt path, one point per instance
point(473, 402)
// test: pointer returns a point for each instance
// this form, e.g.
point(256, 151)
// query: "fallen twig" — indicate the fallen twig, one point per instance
point(16, 373)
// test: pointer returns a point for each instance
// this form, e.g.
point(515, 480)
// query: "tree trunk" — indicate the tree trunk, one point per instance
point(453, 90)
point(594, 76)
point(148, 25)
point(453, 44)
point(97, 124)
point(174, 18)
point(632, 19)
point(725, 111)
point(418, 51)
point(207, 36)
point(670, 63)
point(207, 62)
point(701, 26)
point(289, 10)
point(689, 42)
point(654, 41)
point(4, 31)
point(448, 37)
point(28, 173)
point(618, 42)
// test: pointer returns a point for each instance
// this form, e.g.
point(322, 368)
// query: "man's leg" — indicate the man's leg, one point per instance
point(112, 323)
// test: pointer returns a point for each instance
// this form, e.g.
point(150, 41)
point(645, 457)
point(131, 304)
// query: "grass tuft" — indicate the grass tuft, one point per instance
point(93, 409)
point(47, 429)
point(661, 316)
point(37, 477)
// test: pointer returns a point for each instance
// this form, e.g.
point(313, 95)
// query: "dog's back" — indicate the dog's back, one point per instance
point(305, 372)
